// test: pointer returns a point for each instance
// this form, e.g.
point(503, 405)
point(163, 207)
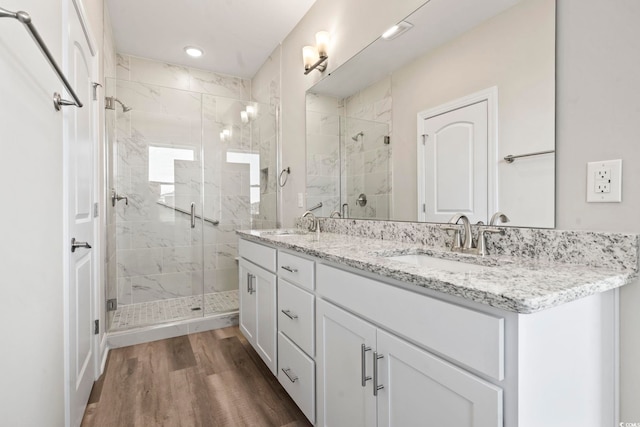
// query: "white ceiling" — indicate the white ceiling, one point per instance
point(237, 36)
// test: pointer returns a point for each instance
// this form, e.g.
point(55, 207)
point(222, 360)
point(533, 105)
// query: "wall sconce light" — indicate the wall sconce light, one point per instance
point(225, 134)
point(249, 113)
point(314, 57)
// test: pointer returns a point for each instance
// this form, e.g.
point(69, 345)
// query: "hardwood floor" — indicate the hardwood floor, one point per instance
point(208, 379)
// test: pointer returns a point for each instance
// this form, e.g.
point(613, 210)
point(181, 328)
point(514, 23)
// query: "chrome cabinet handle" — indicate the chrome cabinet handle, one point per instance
point(376, 387)
point(363, 364)
point(253, 284)
point(193, 215)
point(289, 314)
point(250, 289)
point(289, 269)
point(75, 245)
point(292, 377)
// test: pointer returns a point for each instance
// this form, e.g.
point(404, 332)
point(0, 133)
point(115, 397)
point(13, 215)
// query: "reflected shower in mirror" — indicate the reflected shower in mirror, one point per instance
point(370, 133)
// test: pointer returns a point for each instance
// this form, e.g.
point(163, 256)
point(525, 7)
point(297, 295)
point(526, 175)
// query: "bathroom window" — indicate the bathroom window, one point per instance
point(162, 162)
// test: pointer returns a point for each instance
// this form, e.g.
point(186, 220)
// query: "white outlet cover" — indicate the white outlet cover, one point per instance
point(613, 168)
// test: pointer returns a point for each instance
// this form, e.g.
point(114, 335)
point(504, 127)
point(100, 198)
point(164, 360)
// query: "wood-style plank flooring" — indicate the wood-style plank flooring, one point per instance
point(208, 379)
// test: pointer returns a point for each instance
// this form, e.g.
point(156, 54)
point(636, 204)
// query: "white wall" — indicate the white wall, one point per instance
point(597, 105)
point(598, 118)
point(31, 360)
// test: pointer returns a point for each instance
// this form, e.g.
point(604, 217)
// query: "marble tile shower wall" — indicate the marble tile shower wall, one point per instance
point(367, 165)
point(323, 153)
point(158, 254)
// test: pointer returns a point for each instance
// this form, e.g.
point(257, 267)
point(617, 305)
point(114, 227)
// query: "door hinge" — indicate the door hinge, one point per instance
point(112, 304)
point(96, 208)
point(96, 327)
point(95, 90)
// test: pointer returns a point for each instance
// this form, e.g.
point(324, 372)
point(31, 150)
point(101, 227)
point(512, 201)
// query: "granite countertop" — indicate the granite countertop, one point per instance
point(521, 285)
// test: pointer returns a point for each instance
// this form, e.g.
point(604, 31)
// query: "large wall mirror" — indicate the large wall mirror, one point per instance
point(416, 127)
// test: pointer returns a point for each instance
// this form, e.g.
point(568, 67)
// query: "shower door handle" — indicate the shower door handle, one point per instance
point(193, 215)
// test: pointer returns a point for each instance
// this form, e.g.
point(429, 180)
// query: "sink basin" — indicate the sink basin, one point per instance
point(451, 266)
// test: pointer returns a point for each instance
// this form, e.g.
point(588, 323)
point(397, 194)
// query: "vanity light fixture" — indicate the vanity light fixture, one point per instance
point(225, 134)
point(194, 52)
point(249, 113)
point(397, 30)
point(314, 57)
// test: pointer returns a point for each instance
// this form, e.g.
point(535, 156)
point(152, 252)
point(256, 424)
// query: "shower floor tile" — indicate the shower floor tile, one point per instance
point(170, 310)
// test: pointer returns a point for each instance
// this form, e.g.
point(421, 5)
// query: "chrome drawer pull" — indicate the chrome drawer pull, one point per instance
point(376, 387)
point(292, 377)
point(289, 314)
point(289, 269)
point(363, 363)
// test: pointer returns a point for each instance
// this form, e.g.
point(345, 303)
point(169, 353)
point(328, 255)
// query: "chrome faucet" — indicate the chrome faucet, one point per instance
point(498, 216)
point(335, 214)
point(315, 226)
point(468, 239)
point(479, 246)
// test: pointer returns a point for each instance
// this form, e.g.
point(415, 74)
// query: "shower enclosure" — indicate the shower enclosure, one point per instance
point(186, 170)
point(348, 159)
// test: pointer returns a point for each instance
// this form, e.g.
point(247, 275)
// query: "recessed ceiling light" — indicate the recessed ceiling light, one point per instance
point(193, 51)
point(397, 30)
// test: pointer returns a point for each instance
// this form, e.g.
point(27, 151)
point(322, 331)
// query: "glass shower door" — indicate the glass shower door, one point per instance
point(158, 221)
point(239, 146)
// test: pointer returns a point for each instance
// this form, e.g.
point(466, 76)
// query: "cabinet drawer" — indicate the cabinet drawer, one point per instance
point(296, 269)
point(295, 315)
point(296, 373)
point(258, 254)
point(470, 337)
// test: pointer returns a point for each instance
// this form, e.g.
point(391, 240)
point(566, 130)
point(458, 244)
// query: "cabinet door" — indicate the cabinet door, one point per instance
point(341, 397)
point(423, 390)
point(264, 287)
point(247, 302)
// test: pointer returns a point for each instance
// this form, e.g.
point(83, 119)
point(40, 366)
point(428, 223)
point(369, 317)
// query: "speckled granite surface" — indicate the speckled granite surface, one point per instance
point(531, 269)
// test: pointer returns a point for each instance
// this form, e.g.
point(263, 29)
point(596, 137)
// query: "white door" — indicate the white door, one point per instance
point(344, 385)
point(247, 302)
point(80, 144)
point(423, 390)
point(454, 162)
point(264, 285)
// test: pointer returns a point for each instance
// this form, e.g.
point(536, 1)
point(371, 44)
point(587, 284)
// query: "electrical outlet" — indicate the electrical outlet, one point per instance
point(603, 187)
point(300, 200)
point(603, 174)
point(604, 181)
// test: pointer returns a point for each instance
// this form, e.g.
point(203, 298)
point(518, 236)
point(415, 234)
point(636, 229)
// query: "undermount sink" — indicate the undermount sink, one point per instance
point(286, 232)
point(451, 266)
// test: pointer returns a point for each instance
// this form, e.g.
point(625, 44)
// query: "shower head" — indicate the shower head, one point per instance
point(355, 137)
point(109, 104)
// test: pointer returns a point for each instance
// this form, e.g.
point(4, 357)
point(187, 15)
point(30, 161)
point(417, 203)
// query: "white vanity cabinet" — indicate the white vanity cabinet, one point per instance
point(257, 292)
point(369, 377)
point(355, 349)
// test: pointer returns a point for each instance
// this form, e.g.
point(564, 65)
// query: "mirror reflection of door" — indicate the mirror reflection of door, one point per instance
point(454, 156)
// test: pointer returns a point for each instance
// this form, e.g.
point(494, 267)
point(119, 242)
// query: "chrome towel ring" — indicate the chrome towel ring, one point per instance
point(281, 181)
